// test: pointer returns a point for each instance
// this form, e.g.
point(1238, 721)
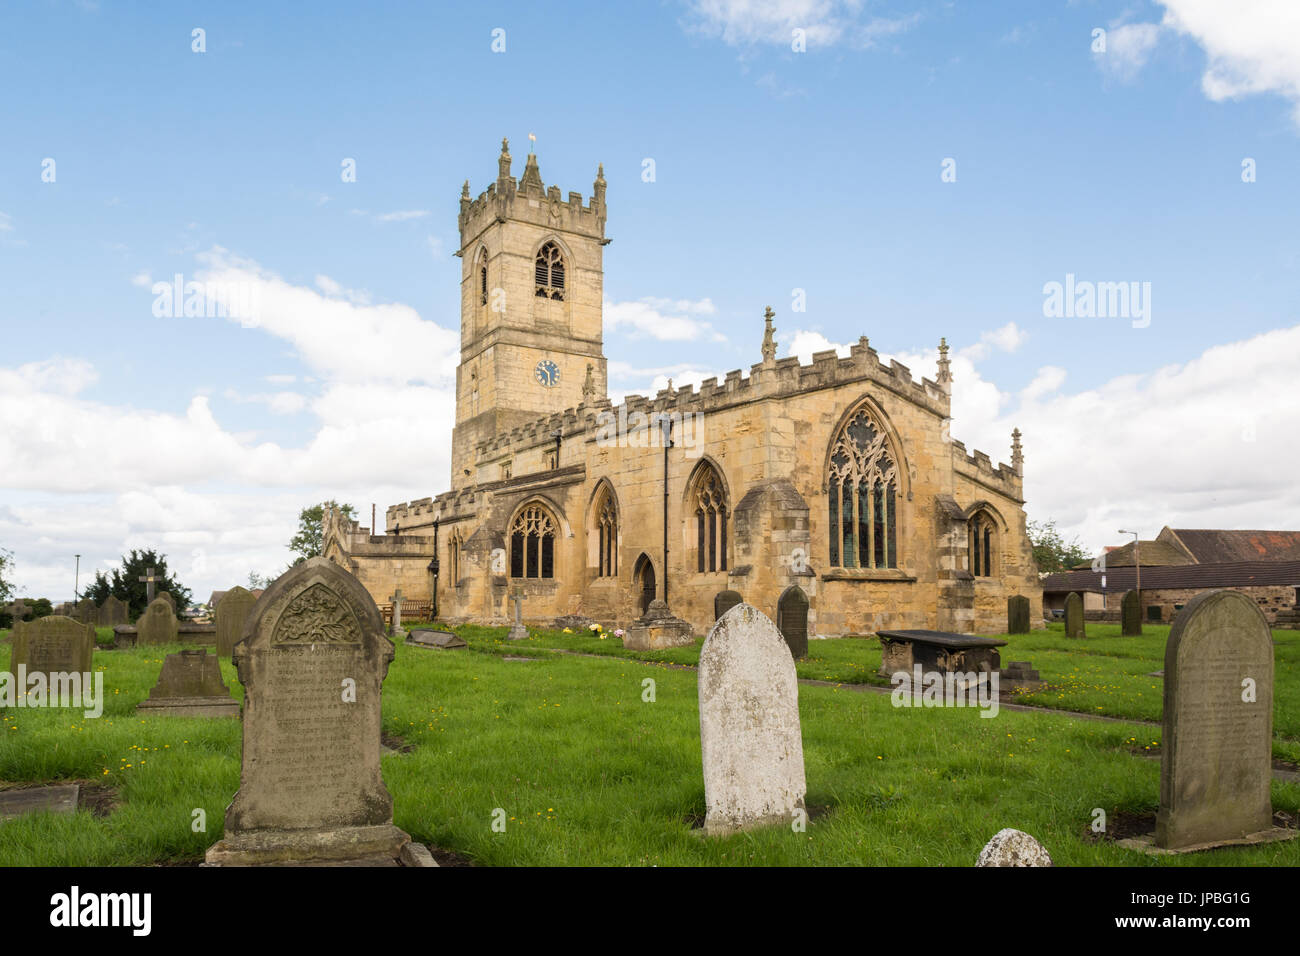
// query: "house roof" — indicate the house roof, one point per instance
point(1230, 574)
point(1153, 553)
point(1224, 547)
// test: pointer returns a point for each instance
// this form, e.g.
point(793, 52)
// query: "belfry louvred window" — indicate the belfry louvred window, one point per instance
point(550, 272)
point(863, 492)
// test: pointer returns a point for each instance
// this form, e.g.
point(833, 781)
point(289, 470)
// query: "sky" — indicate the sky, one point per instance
point(905, 171)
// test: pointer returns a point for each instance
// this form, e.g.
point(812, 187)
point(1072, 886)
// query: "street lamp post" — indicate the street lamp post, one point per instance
point(76, 583)
point(666, 426)
point(434, 567)
point(1137, 562)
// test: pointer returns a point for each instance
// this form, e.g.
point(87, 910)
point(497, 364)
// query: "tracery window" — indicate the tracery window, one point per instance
point(863, 497)
point(981, 541)
point(607, 530)
point(710, 500)
point(550, 272)
point(532, 544)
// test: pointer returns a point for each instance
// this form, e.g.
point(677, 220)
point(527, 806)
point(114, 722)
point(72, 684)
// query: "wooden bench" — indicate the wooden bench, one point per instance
point(411, 611)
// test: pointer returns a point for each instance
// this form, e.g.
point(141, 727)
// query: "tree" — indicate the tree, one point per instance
point(258, 581)
point(1051, 551)
point(308, 542)
point(98, 590)
point(125, 583)
point(6, 575)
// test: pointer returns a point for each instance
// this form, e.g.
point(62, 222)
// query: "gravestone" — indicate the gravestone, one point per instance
point(87, 613)
point(1130, 615)
point(657, 629)
point(113, 612)
point(149, 580)
point(397, 612)
point(443, 640)
point(52, 645)
point(157, 625)
point(1013, 848)
point(724, 601)
point(60, 798)
point(190, 685)
point(231, 613)
point(1074, 615)
point(1216, 760)
point(166, 596)
point(312, 666)
point(792, 621)
point(17, 612)
point(517, 630)
point(1018, 614)
point(749, 724)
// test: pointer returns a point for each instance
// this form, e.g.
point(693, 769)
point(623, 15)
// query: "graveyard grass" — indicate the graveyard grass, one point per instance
point(589, 773)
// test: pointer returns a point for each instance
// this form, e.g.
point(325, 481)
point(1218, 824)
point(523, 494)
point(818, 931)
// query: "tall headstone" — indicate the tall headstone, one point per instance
point(312, 667)
point(397, 611)
point(231, 613)
point(749, 724)
point(53, 645)
point(1131, 614)
point(1216, 762)
point(1018, 614)
point(113, 612)
point(190, 685)
point(157, 625)
point(792, 621)
point(1074, 615)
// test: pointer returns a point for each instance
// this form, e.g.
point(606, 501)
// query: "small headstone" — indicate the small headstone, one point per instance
point(1131, 615)
point(1013, 848)
point(53, 645)
point(792, 621)
point(190, 685)
point(724, 601)
point(1018, 614)
point(61, 798)
point(231, 614)
point(444, 640)
point(157, 625)
point(1216, 759)
point(517, 630)
point(87, 612)
point(313, 668)
point(1074, 615)
point(167, 596)
point(113, 612)
point(749, 724)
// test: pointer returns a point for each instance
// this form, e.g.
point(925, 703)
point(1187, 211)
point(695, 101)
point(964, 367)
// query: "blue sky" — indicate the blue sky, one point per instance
point(775, 170)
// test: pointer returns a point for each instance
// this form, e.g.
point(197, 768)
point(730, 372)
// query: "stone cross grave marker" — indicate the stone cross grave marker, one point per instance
point(397, 610)
point(17, 610)
point(749, 724)
point(517, 630)
point(52, 645)
point(231, 614)
point(1074, 615)
point(1216, 763)
point(1018, 614)
point(312, 667)
point(149, 581)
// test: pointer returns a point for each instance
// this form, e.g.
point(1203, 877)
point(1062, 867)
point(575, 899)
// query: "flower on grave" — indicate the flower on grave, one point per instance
point(567, 630)
point(619, 632)
point(596, 628)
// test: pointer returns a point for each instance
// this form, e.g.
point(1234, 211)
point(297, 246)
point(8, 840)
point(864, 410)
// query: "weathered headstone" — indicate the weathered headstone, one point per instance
point(724, 601)
point(1018, 614)
point(149, 581)
point(397, 612)
point(86, 612)
point(792, 621)
point(52, 645)
point(312, 667)
point(1074, 615)
point(190, 685)
point(443, 640)
point(231, 613)
point(113, 612)
point(1013, 848)
point(157, 625)
point(1216, 760)
point(1131, 614)
point(167, 596)
point(60, 798)
point(749, 724)
point(517, 630)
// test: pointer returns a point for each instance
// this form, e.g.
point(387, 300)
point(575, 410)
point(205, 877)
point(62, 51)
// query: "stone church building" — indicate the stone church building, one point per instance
point(830, 489)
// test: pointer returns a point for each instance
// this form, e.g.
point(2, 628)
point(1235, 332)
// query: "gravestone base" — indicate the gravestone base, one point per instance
point(61, 798)
point(1147, 844)
point(721, 827)
point(517, 633)
point(363, 845)
point(189, 707)
point(658, 634)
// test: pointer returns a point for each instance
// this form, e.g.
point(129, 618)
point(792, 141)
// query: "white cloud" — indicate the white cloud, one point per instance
point(1128, 47)
point(668, 320)
point(1008, 338)
point(402, 215)
point(6, 222)
point(277, 403)
point(804, 342)
point(824, 22)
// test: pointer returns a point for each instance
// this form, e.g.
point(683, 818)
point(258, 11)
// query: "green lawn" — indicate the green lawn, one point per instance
point(588, 773)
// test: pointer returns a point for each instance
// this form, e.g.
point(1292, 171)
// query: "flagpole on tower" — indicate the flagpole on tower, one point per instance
point(532, 142)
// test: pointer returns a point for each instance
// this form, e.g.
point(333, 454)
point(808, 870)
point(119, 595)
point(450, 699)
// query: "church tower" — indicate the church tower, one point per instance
point(530, 307)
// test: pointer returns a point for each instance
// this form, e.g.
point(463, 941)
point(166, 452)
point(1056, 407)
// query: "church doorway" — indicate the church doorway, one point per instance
point(792, 620)
point(644, 575)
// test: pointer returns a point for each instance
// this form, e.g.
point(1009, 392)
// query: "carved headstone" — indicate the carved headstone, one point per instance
point(724, 601)
point(1216, 761)
point(749, 724)
point(157, 625)
point(312, 666)
point(1131, 614)
point(231, 613)
point(1018, 614)
point(113, 612)
point(1074, 615)
point(190, 685)
point(792, 621)
point(52, 645)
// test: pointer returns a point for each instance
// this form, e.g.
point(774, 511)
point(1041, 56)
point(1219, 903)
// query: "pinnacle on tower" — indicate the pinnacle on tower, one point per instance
point(503, 161)
point(945, 373)
point(1017, 453)
point(769, 336)
point(532, 175)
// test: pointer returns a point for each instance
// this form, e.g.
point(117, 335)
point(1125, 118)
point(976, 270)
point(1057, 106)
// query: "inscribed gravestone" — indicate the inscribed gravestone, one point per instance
point(157, 625)
point(749, 724)
point(792, 621)
point(231, 614)
point(1074, 615)
point(167, 596)
point(1018, 614)
point(113, 612)
point(724, 601)
point(1131, 614)
point(312, 667)
point(1216, 763)
point(190, 685)
point(53, 645)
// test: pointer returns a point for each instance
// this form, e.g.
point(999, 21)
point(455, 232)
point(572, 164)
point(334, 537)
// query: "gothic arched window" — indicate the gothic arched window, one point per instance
point(532, 544)
point(710, 505)
point(455, 559)
point(550, 272)
point(607, 530)
point(981, 535)
point(863, 494)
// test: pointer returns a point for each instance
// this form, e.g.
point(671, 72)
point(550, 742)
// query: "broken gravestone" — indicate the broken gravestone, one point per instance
point(1013, 848)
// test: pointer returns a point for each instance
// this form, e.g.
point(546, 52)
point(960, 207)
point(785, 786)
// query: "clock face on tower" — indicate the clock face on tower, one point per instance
point(547, 372)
